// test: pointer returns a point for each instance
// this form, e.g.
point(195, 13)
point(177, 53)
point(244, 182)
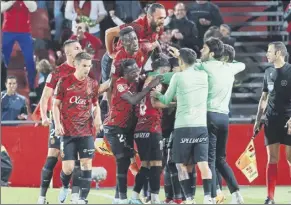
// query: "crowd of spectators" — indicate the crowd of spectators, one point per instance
point(186, 25)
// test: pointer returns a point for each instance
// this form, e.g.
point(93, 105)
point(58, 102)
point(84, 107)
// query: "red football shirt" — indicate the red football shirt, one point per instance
point(140, 57)
point(120, 111)
point(143, 31)
point(149, 118)
point(61, 71)
point(78, 98)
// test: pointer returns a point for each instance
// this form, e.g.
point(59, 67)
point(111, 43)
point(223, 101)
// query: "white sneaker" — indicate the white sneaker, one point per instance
point(207, 200)
point(41, 200)
point(123, 201)
point(115, 201)
point(237, 198)
point(63, 195)
point(189, 201)
point(74, 198)
point(82, 201)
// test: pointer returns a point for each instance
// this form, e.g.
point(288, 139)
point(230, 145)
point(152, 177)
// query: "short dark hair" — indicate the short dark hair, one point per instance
point(126, 30)
point(160, 62)
point(11, 77)
point(153, 7)
point(226, 26)
point(188, 56)
point(215, 45)
point(69, 41)
point(125, 64)
point(82, 56)
point(280, 46)
point(213, 31)
point(228, 51)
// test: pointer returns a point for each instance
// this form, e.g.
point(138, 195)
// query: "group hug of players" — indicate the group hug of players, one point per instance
point(176, 113)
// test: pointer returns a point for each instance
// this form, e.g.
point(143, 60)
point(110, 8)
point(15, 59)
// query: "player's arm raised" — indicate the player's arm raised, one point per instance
point(110, 34)
point(57, 102)
point(136, 98)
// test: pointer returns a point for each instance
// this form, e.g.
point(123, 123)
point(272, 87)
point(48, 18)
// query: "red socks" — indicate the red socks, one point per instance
point(272, 172)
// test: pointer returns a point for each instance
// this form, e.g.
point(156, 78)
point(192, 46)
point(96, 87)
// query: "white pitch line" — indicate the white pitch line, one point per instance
point(103, 195)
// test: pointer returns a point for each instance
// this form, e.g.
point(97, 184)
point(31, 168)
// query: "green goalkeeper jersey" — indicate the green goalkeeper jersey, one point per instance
point(191, 89)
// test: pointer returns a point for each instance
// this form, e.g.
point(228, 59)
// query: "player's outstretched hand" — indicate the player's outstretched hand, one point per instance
point(59, 130)
point(156, 81)
point(46, 122)
point(289, 126)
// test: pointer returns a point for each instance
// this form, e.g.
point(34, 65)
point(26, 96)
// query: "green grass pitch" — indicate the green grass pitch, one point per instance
point(252, 195)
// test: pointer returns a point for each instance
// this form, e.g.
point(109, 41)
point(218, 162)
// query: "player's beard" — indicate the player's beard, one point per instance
point(154, 26)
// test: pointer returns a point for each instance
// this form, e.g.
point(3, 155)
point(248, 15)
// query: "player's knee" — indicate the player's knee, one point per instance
point(182, 172)
point(53, 152)
point(156, 163)
point(86, 164)
point(205, 170)
point(68, 167)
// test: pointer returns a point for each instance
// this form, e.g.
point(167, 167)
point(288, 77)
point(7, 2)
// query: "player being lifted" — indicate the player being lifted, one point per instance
point(220, 81)
point(118, 124)
point(275, 102)
point(190, 144)
point(76, 96)
point(71, 49)
point(148, 137)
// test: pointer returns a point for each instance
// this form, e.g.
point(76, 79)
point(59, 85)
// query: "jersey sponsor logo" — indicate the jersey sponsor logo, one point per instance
point(141, 135)
point(121, 88)
point(193, 140)
point(49, 78)
point(77, 100)
point(270, 86)
point(284, 83)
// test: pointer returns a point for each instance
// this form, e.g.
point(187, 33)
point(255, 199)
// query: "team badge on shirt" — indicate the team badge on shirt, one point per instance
point(284, 82)
point(120, 88)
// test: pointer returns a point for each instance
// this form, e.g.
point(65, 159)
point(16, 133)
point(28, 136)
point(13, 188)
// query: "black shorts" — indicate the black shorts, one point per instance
point(190, 145)
point(276, 132)
point(72, 147)
point(149, 146)
point(53, 141)
point(120, 142)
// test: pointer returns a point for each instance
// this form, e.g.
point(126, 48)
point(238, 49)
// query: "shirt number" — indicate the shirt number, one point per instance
point(120, 137)
point(52, 133)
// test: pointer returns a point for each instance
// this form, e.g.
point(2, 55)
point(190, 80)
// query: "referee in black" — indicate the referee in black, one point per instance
point(276, 103)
